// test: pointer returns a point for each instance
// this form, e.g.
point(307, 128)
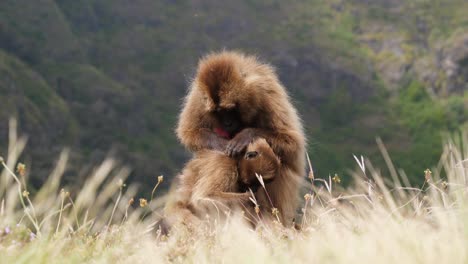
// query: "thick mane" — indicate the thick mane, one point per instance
point(233, 81)
point(215, 73)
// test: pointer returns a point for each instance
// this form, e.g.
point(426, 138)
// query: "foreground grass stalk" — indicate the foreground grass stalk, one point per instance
point(160, 179)
point(33, 218)
point(75, 213)
point(115, 206)
point(390, 223)
point(62, 196)
point(125, 217)
point(46, 218)
point(274, 210)
point(307, 198)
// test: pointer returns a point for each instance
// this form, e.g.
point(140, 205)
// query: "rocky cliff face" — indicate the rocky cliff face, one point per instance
point(447, 70)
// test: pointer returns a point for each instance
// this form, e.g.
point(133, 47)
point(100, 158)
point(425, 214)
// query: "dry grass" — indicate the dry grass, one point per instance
point(374, 221)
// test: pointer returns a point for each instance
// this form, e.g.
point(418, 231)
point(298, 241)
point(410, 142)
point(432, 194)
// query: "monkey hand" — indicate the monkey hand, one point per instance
point(240, 142)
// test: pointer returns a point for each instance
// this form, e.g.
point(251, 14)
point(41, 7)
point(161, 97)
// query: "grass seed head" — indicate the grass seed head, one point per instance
point(121, 183)
point(143, 202)
point(336, 178)
point(64, 194)
point(260, 179)
point(427, 175)
point(444, 185)
point(257, 209)
point(275, 211)
point(21, 169)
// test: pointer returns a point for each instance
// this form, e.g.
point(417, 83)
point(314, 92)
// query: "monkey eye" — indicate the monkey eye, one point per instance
point(251, 154)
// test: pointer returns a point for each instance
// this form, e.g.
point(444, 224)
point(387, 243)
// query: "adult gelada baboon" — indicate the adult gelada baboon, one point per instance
point(235, 99)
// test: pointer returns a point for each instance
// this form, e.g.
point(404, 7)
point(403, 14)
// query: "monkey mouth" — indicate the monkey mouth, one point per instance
point(222, 133)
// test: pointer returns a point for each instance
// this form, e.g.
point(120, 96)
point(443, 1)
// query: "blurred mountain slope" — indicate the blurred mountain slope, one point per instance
point(112, 74)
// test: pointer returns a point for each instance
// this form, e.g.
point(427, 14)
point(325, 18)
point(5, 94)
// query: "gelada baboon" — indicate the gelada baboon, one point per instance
point(235, 99)
point(214, 182)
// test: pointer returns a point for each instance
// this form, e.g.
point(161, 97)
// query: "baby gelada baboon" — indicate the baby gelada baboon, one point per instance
point(213, 181)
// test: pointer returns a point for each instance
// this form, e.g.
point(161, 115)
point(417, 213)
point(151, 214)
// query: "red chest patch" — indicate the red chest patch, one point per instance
point(222, 133)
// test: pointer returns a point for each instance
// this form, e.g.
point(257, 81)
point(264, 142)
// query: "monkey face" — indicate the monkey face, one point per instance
point(229, 122)
point(224, 86)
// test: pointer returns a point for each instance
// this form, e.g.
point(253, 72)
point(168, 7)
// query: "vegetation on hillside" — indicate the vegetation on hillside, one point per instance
point(106, 78)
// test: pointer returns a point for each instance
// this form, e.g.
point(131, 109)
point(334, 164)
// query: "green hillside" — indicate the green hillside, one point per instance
point(107, 77)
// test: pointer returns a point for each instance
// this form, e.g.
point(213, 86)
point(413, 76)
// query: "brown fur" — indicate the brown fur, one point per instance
point(231, 80)
point(215, 182)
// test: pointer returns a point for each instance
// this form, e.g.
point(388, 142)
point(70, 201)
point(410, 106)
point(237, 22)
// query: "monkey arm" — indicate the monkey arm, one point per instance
point(220, 199)
point(203, 138)
point(231, 199)
point(232, 195)
point(288, 145)
point(194, 129)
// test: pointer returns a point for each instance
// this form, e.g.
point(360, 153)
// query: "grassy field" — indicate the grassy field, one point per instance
point(375, 220)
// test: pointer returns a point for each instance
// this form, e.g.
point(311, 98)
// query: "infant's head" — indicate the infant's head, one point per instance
point(259, 158)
